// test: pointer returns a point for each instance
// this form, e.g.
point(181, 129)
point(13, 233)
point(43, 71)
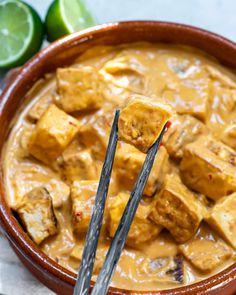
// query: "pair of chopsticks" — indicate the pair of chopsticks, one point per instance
point(86, 267)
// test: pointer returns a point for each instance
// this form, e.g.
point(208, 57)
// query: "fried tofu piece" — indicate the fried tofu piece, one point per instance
point(83, 195)
point(223, 104)
point(142, 229)
point(36, 213)
point(222, 218)
point(128, 163)
point(229, 135)
point(205, 254)
point(225, 77)
point(77, 253)
point(127, 72)
point(142, 121)
point(183, 130)
point(59, 191)
point(191, 97)
point(53, 132)
point(79, 88)
point(95, 134)
point(40, 106)
point(78, 165)
point(177, 209)
point(209, 167)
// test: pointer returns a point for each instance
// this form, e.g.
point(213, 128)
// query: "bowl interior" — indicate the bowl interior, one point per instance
point(63, 52)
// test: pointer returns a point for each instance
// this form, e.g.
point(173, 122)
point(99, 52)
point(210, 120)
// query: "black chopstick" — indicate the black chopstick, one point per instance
point(117, 244)
point(90, 247)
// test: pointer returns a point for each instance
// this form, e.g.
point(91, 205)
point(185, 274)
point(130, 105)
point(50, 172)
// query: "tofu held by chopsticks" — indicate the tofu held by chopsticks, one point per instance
point(142, 120)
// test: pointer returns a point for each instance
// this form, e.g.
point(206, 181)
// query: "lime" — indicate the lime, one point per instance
point(21, 33)
point(65, 17)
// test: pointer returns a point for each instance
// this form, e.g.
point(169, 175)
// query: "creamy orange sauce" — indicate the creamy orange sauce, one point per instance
point(181, 76)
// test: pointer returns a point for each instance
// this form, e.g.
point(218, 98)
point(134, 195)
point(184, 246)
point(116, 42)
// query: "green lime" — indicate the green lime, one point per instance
point(21, 33)
point(67, 16)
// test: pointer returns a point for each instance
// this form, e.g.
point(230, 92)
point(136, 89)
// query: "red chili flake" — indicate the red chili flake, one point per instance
point(210, 176)
point(73, 124)
point(78, 216)
point(168, 125)
point(162, 144)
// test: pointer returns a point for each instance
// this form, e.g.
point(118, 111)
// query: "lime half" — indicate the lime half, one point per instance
point(67, 16)
point(21, 33)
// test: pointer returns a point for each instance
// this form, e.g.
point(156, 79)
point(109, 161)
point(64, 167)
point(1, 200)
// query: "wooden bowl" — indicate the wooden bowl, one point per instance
point(63, 52)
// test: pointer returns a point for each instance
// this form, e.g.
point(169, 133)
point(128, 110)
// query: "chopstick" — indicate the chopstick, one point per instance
point(85, 272)
point(102, 283)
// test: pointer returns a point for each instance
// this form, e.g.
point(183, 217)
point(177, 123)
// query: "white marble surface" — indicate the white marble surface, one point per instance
point(214, 15)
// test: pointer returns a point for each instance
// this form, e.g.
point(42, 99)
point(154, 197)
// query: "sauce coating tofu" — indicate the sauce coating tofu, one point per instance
point(41, 106)
point(128, 163)
point(184, 129)
point(142, 229)
point(191, 97)
point(53, 132)
point(222, 218)
point(126, 72)
point(83, 195)
point(101, 252)
point(95, 134)
point(229, 136)
point(59, 192)
point(177, 209)
point(79, 89)
point(226, 78)
point(36, 213)
point(204, 254)
point(142, 121)
point(209, 167)
point(78, 165)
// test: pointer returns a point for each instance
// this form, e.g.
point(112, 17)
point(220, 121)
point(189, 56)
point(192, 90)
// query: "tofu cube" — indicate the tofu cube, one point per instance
point(78, 165)
point(142, 229)
point(126, 71)
point(209, 167)
point(95, 134)
point(102, 249)
point(59, 191)
point(223, 104)
point(83, 195)
point(222, 218)
point(177, 209)
point(190, 97)
point(229, 135)
point(128, 163)
point(36, 213)
point(225, 77)
point(184, 129)
point(79, 89)
point(41, 105)
point(206, 255)
point(53, 132)
point(142, 121)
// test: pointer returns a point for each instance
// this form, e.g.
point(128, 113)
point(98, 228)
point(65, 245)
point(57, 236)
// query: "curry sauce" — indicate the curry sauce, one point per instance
point(185, 226)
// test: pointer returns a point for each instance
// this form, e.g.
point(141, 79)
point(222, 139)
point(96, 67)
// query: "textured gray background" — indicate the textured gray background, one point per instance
point(215, 15)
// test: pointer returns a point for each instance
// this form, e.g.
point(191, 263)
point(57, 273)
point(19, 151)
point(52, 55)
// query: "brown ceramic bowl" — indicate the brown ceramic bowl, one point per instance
point(63, 52)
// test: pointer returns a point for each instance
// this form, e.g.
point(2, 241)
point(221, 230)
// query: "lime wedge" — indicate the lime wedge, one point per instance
point(21, 33)
point(65, 17)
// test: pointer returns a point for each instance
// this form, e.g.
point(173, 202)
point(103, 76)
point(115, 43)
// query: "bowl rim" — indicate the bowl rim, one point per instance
point(13, 230)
